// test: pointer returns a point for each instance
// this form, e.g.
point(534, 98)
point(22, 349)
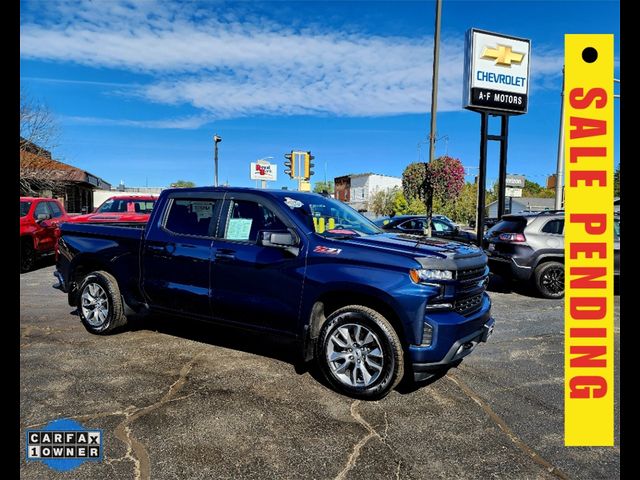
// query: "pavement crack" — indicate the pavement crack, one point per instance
point(502, 425)
point(355, 452)
point(136, 451)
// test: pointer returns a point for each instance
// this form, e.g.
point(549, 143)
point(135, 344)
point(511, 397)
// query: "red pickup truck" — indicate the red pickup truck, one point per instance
point(39, 228)
point(120, 209)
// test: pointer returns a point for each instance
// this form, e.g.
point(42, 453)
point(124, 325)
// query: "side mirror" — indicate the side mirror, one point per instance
point(42, 217)
point(278, 239)
point(285, 240)
point(456, 229)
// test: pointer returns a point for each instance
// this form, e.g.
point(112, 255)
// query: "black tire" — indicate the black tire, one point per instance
point(392, 358)
point(549, 279)
point(91, 318)
point(27, 256)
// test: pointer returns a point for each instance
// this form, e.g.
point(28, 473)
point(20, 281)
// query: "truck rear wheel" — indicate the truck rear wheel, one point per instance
point(100, 304)
point(359, 353)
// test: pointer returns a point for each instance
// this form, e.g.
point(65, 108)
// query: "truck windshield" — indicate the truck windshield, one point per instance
point(126, 205)
point(331, 218)
point(24, 208)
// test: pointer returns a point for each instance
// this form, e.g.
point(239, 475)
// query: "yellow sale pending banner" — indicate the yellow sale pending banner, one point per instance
point(589, 235)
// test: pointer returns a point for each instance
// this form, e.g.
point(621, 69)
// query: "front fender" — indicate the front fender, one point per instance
point(392, 288)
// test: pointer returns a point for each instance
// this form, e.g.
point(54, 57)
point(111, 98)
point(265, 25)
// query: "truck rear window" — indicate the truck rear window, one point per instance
point(190, 217)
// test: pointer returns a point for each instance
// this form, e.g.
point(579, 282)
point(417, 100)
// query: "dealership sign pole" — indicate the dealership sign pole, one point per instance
point(496, 82)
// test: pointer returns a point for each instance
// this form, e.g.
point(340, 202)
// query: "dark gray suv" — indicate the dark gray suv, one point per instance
point(530, 247)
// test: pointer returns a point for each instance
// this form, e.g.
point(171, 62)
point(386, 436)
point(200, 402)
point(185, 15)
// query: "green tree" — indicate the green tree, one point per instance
point(400, 204)
point(414, 178)
point(416, 207)
point(320, 187)
point(533, 189)
point(183, 184)
point(616, 182)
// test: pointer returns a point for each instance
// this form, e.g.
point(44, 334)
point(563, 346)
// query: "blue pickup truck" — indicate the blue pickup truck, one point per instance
point(365, 304)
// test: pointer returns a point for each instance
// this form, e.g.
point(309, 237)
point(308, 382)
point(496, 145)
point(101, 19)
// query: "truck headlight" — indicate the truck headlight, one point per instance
point(425, 275)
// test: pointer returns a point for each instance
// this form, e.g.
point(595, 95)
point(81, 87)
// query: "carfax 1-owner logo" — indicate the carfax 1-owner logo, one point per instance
point(64, 445)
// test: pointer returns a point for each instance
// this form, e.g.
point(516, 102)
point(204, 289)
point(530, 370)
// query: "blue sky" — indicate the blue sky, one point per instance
point(139, 88)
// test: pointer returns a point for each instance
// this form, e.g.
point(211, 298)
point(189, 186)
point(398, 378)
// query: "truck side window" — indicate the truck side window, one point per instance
point(247, 218)
point(41, 208)
point(190, 217)
point(56, 212)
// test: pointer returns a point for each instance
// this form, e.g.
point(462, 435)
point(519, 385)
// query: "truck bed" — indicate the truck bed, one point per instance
point(115, 248)
point(130, 230)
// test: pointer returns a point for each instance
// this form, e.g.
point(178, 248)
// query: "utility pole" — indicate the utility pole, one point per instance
point(434, 82)
point(216, 140)
point(434, 108)
point(560, 162)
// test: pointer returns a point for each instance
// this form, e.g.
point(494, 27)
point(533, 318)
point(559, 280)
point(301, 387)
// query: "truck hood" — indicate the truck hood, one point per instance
point(431, 252)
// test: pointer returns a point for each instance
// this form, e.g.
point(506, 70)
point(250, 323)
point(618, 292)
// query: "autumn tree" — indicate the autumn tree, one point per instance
point(440, 180)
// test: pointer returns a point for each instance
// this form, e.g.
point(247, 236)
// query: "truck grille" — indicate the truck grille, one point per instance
point(469, 305)
point(472, 279)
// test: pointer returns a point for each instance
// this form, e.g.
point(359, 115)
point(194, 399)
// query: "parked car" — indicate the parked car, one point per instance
point(414, 225)
point(120, 208)
point(530, 247)
point(488, 222)
point(445, 218)
point(357, 300)
point(40, 219)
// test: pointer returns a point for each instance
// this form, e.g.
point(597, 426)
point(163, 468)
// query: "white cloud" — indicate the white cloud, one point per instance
point(230, 68)
point(180, 123)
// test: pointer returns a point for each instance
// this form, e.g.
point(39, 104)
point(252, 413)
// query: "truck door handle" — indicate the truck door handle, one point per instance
point(155, 248)
point(225, 254)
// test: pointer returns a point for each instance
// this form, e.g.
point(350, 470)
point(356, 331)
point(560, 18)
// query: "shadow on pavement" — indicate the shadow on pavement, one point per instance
point(42, 262)
point(500, 284)
point(258, 343)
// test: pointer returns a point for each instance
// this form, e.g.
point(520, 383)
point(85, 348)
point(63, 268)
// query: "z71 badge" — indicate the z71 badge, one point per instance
point(327, 250)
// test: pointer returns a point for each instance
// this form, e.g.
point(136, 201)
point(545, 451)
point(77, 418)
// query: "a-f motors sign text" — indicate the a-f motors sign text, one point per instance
point(589, 236)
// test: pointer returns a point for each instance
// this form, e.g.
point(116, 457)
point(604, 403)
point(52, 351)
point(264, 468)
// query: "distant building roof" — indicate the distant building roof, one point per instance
point(40, 164)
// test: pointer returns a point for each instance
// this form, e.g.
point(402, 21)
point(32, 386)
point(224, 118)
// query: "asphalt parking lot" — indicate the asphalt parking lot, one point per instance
point(180, 399)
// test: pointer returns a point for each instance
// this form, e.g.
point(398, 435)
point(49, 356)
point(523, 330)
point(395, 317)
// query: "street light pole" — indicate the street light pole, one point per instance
point(216, 139)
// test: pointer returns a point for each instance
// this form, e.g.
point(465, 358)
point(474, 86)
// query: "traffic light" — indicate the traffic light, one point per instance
point(290, 165)
point(308, 165)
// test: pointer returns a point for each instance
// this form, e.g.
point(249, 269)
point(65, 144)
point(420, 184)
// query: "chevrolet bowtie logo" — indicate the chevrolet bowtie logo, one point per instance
point(503, 55)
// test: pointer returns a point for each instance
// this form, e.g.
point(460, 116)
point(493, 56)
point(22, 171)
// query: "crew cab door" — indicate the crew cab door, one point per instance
point(177, 254)
point(251, 283)
point(45, 234)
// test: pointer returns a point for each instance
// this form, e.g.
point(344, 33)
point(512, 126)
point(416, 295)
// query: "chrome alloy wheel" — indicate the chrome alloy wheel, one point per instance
point(354, 355)
point(95, 304)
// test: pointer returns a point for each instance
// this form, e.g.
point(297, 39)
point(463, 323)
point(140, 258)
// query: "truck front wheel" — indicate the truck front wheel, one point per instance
point(100, 304)
point(359, 353)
